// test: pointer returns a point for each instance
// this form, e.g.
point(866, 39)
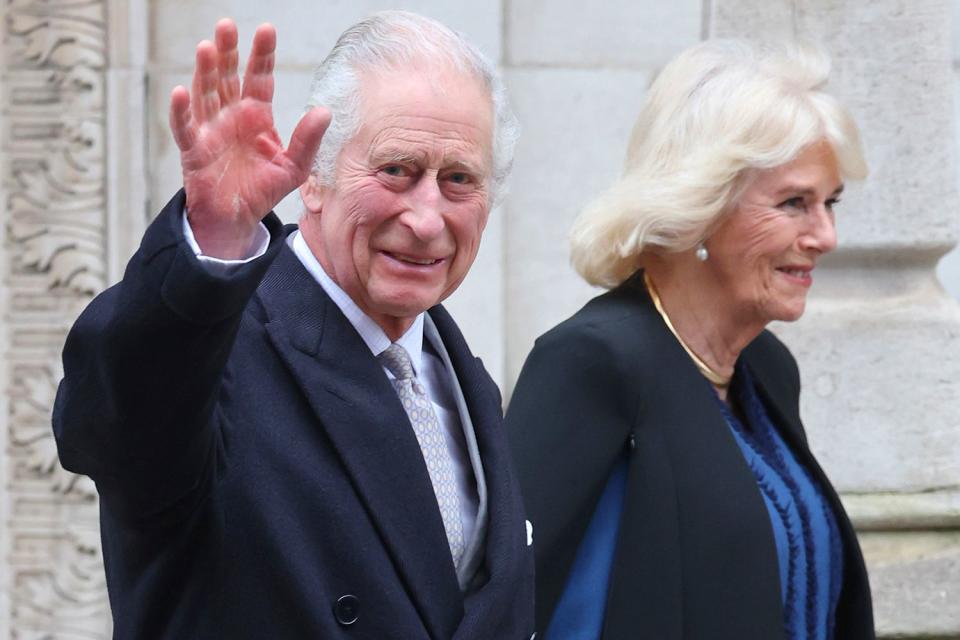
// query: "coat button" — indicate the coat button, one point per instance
point(346, 609)
point(632, 442)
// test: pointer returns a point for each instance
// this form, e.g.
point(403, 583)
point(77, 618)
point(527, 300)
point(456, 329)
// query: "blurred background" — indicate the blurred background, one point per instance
point(87, 160)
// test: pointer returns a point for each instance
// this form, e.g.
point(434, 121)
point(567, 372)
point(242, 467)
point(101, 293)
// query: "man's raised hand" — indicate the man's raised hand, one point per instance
point(235, 169)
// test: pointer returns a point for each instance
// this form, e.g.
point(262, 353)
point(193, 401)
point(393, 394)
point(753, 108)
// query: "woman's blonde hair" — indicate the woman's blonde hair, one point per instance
point(718, 110)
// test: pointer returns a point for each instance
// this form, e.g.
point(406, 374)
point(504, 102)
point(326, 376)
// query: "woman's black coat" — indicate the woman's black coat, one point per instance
point(695, 555)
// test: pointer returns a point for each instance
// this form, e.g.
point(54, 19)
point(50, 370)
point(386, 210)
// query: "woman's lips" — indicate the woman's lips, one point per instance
point(800, 275)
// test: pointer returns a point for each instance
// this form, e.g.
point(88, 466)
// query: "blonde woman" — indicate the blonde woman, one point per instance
point(661, 454)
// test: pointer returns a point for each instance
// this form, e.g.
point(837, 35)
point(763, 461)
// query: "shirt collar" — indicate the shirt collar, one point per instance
point(371, 333)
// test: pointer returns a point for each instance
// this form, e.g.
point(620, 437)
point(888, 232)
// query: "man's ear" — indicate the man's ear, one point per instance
point(312, 192)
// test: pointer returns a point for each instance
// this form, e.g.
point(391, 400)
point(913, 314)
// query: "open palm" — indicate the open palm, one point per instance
point(235, 168)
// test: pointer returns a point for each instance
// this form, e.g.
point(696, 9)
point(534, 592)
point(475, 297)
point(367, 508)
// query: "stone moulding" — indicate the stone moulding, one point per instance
point(928, 510)
point(53, 137)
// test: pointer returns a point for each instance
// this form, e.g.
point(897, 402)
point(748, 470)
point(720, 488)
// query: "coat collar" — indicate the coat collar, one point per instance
point(361, 414)
point(768, 369)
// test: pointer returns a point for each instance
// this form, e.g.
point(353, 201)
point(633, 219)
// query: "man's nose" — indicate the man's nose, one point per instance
point(424, 215)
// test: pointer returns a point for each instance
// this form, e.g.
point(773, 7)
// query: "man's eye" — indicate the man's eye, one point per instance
point(832, 202)
point(458, 178)
point(395, 171)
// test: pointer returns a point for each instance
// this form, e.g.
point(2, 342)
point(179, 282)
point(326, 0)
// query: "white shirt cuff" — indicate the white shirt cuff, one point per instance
point(219, 265)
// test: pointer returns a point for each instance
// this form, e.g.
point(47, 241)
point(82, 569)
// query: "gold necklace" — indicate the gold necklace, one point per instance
point(716, 379)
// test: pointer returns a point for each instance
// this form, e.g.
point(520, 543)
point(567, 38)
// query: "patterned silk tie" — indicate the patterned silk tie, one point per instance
point(426, 426)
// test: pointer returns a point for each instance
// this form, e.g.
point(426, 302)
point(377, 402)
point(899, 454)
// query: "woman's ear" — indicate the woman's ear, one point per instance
point(312, 192)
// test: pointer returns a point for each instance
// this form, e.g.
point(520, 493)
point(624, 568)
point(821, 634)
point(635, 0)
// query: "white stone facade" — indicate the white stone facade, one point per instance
point(87, 158)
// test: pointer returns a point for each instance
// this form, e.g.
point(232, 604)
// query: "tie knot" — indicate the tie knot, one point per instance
point(397, 361)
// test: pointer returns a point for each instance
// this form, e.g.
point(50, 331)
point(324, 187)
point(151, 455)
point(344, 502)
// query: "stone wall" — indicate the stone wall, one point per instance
point(87, 158)
point(53, 134)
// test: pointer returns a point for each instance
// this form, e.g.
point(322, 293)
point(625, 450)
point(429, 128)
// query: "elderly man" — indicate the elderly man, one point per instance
point(289, 435)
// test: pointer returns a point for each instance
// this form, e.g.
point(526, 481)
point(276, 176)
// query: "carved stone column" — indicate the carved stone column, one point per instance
point(879, 347)
point(57, 198)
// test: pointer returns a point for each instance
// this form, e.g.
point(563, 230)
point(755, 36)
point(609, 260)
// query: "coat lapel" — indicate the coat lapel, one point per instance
point(783, 407)
point(504, 525)
point(359, 411)
point(784, 411)
point(505, 540)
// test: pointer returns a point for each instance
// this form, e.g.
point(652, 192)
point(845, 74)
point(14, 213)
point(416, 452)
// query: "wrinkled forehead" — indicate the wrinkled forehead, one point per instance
point(441, 98)
point(815, 169)
point(442, 78)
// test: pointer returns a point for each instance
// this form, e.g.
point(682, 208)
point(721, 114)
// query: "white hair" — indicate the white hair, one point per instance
point(719, 110)
point(380, 43)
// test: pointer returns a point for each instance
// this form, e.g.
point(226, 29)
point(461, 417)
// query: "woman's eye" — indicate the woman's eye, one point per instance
point(832, 202)
point(792, 203)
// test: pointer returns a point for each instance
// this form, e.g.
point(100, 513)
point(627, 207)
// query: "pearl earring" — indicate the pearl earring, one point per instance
point(702, 253)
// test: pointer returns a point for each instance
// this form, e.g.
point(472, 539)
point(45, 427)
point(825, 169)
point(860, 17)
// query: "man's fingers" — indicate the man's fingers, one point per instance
point(307, 136)
point(227, 58)
point(258, 77)
point(180, 124)
point(204, 96)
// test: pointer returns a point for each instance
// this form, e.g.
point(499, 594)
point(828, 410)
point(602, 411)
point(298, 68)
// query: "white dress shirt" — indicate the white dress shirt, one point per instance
point(426, 365)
